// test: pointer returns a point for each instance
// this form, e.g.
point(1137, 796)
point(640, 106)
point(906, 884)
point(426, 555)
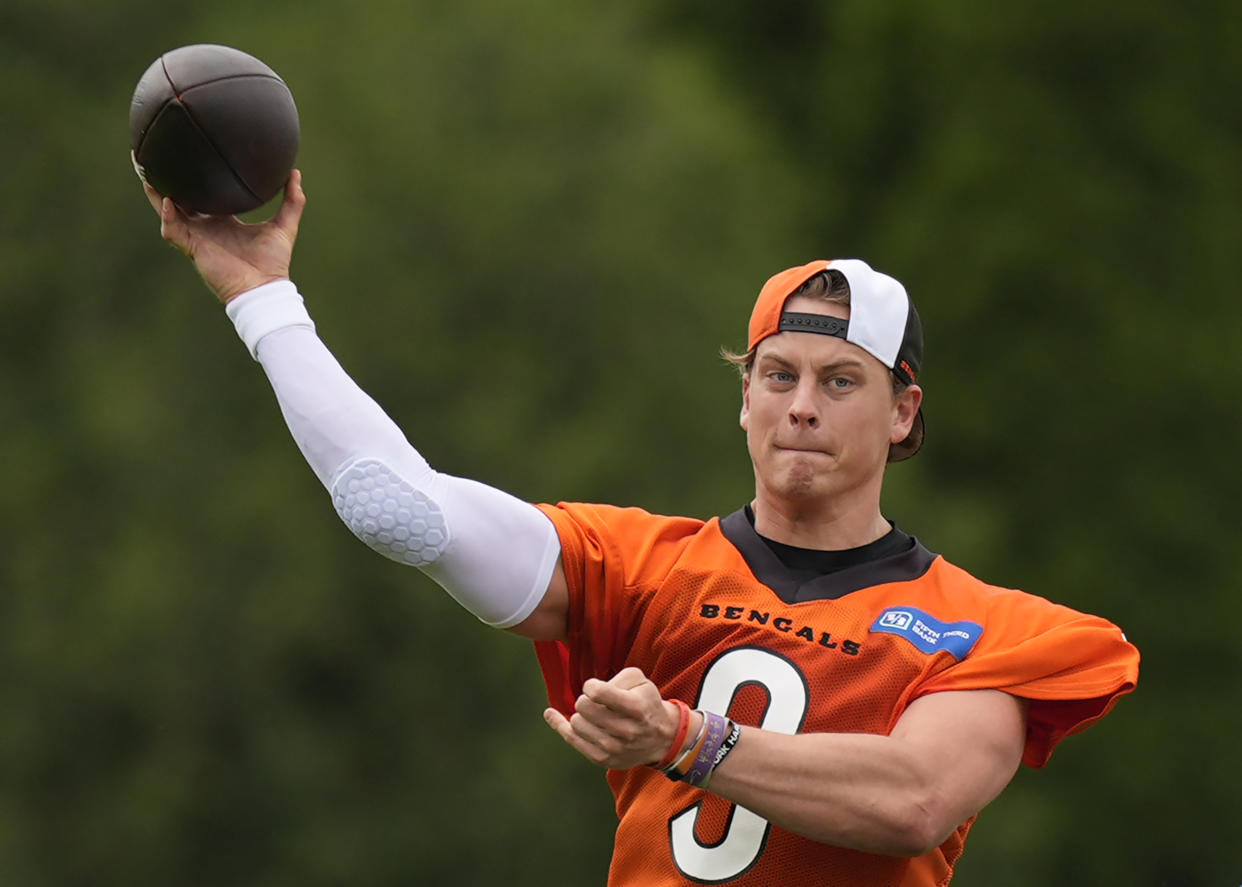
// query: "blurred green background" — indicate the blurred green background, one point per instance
point(530, 228)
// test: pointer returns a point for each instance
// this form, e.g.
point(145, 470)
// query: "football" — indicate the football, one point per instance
point(213, 128)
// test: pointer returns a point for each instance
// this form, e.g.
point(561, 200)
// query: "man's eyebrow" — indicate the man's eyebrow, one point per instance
point(838, 364)
point(845, 363)
point(774, 358)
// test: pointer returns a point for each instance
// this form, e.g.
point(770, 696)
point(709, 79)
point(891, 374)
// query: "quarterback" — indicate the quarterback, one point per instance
point(798, 692)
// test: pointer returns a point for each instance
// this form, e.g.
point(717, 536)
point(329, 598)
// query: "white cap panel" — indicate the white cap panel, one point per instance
point(879, 309)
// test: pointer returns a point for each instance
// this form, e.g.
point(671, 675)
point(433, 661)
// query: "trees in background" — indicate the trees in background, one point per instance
point(530, 228)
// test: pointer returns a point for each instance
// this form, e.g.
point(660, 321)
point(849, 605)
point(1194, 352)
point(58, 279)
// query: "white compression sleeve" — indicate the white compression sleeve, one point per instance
point(492, 552)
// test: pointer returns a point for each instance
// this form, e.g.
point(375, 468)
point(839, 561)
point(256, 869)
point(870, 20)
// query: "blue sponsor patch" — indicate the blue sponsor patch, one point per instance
point(928, 633)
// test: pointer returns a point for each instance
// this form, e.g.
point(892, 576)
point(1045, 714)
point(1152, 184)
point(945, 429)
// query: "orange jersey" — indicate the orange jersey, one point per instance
point(713, 617)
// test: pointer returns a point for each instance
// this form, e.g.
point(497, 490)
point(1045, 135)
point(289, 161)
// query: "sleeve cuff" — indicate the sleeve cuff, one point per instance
point(266, 309)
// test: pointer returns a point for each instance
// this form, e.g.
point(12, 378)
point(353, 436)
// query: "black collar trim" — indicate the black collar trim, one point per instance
point(768, 568)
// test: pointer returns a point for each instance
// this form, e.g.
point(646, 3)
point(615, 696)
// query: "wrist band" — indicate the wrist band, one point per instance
point(715, 740)
point(673, 771)
point(725, 748)
point(714, 736)
point(683, 726)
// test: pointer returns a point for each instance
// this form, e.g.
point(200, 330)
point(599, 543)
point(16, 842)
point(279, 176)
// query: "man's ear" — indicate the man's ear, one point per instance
point(744, 418)
point(905, 408)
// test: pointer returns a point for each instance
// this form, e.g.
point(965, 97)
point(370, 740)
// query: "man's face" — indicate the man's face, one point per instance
point(820, 413)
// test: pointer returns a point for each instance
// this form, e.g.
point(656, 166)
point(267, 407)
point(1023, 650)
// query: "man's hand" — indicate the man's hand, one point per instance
point(231, 255)
point(620, 723)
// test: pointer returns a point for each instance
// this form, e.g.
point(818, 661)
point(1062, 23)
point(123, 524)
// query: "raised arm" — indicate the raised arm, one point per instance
point(497, 556)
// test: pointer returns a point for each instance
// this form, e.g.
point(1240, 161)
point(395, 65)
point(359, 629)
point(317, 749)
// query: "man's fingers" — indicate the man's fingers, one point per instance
point(596, 736)
point(576, 740)
point(173, 227)
point(623, 723)
point(557, 721)
point(583, 736)
point(628, 678)
point(561, 725)
point(620, 700)
point(289, 216)
point(619, 693)
point(154, 198)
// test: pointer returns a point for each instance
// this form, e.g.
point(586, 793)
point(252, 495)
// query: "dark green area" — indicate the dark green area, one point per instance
point(530, 228)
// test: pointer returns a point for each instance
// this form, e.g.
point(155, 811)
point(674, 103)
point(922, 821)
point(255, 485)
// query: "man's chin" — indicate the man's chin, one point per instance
point(799, 475)
point(802, 481)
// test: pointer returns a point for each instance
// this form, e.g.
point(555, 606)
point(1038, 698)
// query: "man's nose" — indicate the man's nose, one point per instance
point(803, 409)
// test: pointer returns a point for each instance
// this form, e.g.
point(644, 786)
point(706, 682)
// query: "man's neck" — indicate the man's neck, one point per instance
point(818, 525)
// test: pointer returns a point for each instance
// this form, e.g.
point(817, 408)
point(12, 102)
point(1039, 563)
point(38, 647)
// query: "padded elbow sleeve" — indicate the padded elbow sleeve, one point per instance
point(383, 510)
point(493, 553)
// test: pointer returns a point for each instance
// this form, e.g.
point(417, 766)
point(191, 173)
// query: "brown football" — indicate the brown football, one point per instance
point(213, 128)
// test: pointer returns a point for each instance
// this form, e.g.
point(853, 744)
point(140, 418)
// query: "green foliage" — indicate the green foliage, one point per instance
point(530, 228)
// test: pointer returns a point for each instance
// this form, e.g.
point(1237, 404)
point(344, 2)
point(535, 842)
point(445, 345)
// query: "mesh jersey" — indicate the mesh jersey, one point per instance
point(710, 615)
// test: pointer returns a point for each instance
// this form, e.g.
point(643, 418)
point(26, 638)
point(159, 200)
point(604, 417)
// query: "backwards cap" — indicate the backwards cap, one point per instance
point(882, 322)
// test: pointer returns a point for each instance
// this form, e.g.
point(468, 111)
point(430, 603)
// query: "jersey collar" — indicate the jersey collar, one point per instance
point(792, 587)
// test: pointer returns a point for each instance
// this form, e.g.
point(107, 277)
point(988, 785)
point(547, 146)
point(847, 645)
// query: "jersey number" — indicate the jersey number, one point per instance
point(747, 832)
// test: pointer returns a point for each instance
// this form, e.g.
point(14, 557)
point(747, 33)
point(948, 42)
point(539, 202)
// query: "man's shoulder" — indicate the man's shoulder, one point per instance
point(628, 530)
point(623, 518)
point(1005, 603)
point(641, 545)
point(947, 572)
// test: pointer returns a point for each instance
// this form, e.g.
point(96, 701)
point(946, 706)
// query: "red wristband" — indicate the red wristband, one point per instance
point(683, 726)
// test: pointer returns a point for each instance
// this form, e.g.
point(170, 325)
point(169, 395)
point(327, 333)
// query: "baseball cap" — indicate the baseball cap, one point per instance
point(882, 322)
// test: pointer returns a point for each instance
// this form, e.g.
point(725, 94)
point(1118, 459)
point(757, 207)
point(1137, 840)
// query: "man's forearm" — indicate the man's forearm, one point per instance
point(859, 791)
point(948, 756)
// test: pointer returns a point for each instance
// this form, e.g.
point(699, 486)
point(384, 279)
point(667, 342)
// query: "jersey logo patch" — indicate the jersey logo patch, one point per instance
point(928, 633)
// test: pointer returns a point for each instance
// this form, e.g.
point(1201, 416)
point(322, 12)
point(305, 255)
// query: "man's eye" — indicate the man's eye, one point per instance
point(781, 376)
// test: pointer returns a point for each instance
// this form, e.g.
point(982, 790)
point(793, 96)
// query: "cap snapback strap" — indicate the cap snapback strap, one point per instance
point(824, 324)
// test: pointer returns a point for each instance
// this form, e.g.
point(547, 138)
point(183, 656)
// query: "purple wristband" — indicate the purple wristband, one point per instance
point(725, 748)
point(705, 760)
